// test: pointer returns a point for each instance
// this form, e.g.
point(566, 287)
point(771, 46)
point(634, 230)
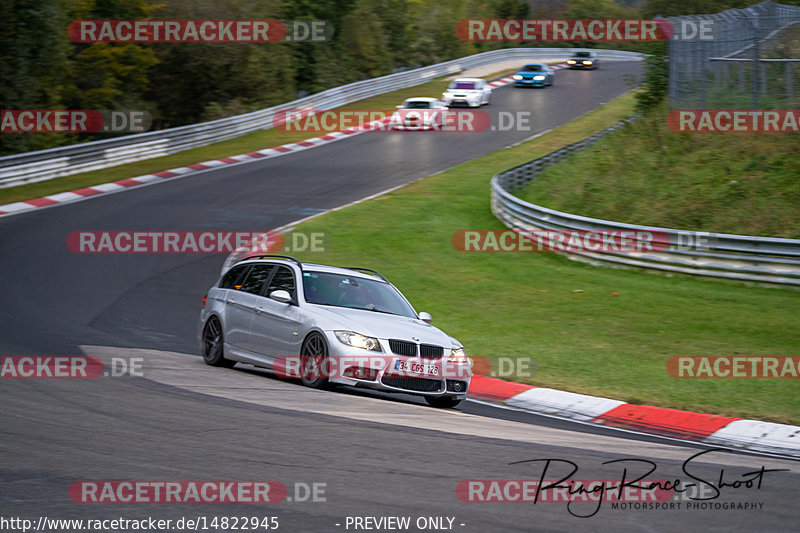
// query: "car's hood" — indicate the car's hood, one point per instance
point(381, 325)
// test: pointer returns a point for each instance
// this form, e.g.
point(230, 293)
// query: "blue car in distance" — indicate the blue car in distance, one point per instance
point(534, 75)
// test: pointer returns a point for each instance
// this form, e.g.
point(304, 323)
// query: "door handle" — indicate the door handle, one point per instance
point(259, 310)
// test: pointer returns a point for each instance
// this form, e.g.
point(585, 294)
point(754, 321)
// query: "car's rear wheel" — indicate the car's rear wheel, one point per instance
point(213, 344)
point(442, 402)
point(314, 362)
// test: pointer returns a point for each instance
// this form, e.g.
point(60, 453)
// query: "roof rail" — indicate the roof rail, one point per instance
point(268, 256)
point(361, 269)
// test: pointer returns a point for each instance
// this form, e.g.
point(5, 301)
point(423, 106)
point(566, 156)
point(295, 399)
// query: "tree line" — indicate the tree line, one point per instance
point(184, 83)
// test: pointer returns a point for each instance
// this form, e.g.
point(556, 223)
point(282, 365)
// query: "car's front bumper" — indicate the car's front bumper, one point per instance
point(416, 126)
point(421, 386)
point(530, 83)
point(398, 373)
point(468, 102)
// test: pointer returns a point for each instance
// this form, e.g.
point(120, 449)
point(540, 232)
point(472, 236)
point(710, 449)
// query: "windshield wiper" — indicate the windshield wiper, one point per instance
point(376, 310)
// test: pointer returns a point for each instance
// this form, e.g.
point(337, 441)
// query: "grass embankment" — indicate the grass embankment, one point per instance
point(743, 183)
point(518, 304)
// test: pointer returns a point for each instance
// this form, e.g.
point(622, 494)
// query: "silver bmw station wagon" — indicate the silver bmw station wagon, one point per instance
point(329, 326)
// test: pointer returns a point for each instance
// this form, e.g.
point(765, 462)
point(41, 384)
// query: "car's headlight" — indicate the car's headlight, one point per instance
point(571, 62)
point(538, 78)
point(459, 357)
point(517, 77)
point(587, 62)
point(358, 340)
point(447, 95)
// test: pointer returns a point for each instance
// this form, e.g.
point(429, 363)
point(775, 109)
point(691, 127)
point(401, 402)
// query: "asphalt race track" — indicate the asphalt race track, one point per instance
point(377, 455)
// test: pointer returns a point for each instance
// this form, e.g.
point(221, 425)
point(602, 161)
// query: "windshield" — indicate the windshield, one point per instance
point(355, 293)
point(532, 68)
point(416, 104)
point(466, 85)
point(583, 54)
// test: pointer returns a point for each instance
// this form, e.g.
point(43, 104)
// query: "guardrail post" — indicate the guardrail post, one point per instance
point(724, 67)
point(755, 64)
point(741, 76)
point(703, 75)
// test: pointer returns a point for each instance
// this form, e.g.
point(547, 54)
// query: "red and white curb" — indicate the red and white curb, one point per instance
point(726, 431)
point(129, 183)
point(117, 186)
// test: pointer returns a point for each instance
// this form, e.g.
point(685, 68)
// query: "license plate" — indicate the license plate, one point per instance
point(416, 368)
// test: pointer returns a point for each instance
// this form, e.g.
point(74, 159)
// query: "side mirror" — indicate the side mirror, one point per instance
point(425, 317)
point(281, 296)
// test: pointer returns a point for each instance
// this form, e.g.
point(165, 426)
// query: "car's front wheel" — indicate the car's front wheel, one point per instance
point(442, 402)
point(314, 362)
point(213, 344)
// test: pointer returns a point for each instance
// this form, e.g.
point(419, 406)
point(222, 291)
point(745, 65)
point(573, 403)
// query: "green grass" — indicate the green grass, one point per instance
point(521, 304)
point(743, 183)
point(250, 142)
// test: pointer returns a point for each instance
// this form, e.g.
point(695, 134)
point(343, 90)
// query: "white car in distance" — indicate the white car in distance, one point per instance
point(471, 92)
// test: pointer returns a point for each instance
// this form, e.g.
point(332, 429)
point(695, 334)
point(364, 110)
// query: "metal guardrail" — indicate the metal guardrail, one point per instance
point(738, 257)
point(43, 165)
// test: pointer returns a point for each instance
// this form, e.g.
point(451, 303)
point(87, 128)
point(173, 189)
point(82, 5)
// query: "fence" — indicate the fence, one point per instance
point(739, 257)
point(720, 72)
point(55, 162)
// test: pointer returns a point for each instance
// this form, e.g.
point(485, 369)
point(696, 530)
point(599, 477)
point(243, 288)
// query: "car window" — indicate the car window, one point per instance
point(532, 68)
point(233, 279)
point(417, 105)
point(283, 280)
point(354, 292)
point(256, 278)
point(463, 85)
point(583, 54)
